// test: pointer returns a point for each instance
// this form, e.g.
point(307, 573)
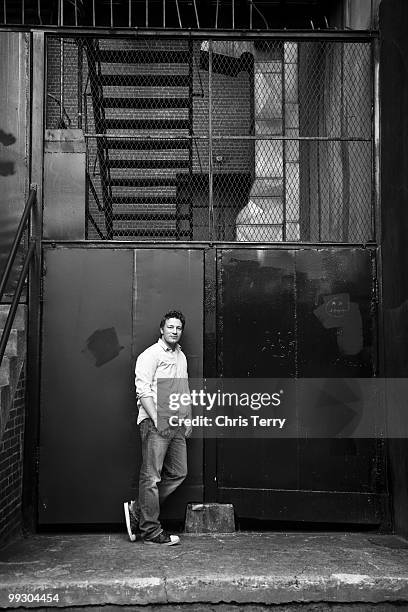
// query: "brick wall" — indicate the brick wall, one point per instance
point(70, 71)
point(11, 466)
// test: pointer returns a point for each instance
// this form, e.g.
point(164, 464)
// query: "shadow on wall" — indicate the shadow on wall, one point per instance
point(7, 167)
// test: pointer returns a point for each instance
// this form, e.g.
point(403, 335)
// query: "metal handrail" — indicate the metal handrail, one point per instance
point(32, 199)
point(16, 298)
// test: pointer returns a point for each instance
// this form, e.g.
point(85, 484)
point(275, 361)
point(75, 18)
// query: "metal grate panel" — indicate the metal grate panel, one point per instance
point(227, 140)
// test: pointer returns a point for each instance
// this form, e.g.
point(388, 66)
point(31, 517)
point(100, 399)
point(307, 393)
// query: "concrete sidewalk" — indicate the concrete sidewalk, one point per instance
point(239, 568)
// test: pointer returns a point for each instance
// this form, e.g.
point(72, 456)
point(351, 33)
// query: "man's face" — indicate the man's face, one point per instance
point(171, 332)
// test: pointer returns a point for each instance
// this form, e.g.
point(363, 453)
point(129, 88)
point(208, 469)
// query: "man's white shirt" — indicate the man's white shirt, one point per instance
point(159, 361)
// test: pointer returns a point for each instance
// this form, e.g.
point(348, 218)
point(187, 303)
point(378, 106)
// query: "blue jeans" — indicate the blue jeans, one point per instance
point(164, 467)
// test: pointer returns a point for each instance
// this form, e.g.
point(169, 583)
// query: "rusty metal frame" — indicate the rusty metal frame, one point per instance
point(31, 437)
point(210, 146)
point(171, 244)
point(242, 34)
point(376, 197)
point(38, 63)
point(210, 353)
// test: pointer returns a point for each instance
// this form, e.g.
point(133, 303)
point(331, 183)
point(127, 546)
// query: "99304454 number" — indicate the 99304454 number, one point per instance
point(33, 597)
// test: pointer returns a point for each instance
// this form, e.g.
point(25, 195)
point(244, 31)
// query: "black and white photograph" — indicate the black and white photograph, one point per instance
point(204, 305)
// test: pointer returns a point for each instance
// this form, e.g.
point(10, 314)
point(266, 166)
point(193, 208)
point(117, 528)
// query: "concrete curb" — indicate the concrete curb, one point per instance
point(339, 588)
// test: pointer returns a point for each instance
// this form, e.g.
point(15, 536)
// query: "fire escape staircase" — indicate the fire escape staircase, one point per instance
point(144, 148)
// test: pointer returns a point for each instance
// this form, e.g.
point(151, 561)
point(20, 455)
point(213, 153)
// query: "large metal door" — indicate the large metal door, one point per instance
point(269, 325)
point(251, 313)
point(101, 308)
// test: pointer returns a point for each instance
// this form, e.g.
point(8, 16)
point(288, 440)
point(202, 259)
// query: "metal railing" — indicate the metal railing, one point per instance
point(24, 223)
point(122, 13)
point(178, 14)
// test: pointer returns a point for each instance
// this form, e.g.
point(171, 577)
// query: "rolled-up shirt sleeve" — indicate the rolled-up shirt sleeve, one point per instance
point(146, 365)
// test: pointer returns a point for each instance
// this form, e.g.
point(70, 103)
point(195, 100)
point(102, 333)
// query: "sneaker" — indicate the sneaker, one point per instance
point(164, 538)
point(132, 523)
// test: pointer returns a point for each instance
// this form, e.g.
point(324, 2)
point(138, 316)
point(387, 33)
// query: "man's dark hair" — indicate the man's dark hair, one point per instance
point(173, 314)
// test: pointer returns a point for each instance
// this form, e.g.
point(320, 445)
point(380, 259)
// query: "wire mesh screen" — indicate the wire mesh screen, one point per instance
point(249, 140)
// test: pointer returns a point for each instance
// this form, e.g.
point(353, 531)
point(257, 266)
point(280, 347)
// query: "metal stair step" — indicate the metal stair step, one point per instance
point(142, 56)
point(144, 182)
point(145, 80)
point(149, 163)
point(151, 103)
point(150, 217)
point(153, 233)
point(151, 144)
point(147, 124)
point(150, 201)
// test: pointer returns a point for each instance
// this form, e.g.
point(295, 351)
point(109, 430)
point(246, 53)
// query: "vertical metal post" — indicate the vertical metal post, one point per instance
point(376, 202)
point(216, 14)
point(76, 12)
point(283, 143)
point(250, 14)
point(344, 148)
point(93, 13)
point(39, 11)
point(111, 13)
point(80, 83)
point(376, 151)
point(61, 80)
point(210, 148)
point(210, 365)
point(164, 13)
point(4, 12)
point(61, 13)
point(196, 13)
point(130, 13)
point(319, 191)
point(190, 129)
point(346, 14)
point(147, 12)
point(30, 470)
point(85, 107)
point(233, 13)
point(178, 14)
point(22, 12)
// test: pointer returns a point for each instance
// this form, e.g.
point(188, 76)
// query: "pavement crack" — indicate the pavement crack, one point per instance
point(165, 588)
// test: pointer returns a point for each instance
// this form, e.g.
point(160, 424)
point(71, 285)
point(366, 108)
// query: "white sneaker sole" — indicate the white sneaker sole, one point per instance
point(131, 535)
point(173, 541)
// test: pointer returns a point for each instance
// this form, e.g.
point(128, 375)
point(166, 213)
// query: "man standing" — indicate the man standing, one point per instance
point(164, 453)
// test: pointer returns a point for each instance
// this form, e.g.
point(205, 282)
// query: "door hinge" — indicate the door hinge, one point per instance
point(37, 459)
point(376, 291)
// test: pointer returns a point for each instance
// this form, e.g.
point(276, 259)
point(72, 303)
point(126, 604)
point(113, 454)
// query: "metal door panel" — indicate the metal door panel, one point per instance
point(271, 325)
point(87, 449)
point(101, 308)
point(173, 279)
